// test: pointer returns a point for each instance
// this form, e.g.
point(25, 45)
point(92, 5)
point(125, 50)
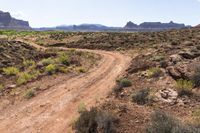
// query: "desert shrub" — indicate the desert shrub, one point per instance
point(23, 78)
point(141, 96)
point(29, 93)
point(63, 69)
point(51, 69)
point(184, 87)
point(154, 72)
point(81, 107)
point(81, 70)
point(64, 59)
point(47, 61)
point(196, 77)
point(162, 122)
point(94, 121)
point(117, 89)
point(28, 63)
point(158, 58)
point(124, 82)
point(1, 87)
point(11, 71)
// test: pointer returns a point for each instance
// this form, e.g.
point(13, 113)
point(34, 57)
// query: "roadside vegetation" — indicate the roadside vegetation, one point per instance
point(38, 64)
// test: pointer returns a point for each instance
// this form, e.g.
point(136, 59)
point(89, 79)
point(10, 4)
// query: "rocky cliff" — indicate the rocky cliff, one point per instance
point(8, 22)
point(154, 25)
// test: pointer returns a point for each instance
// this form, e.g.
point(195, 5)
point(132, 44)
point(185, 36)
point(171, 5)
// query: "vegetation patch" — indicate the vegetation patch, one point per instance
point(124, 82)
point(94, 121)
point(162, 122)
point(154, 72)
point(29, 93)
point(141, 97)
point(184, 87)
point(11, 71)
point(51, 69)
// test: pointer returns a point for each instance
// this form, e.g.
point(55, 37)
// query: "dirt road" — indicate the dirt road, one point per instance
point(55, 109)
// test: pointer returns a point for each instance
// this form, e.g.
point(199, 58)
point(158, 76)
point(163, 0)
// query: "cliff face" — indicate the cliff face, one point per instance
point(6, 21)
point(154, 25)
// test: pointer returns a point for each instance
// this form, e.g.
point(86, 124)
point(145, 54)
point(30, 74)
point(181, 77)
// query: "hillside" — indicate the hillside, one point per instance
point(8, 22)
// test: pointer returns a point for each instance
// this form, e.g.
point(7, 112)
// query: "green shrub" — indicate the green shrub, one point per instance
point(11, 71)
point(29, 93)
point(124, 82)
point(184, 87)
point(81, 70)
point(94, 121)
point(47, 61)
point(23, 78)
point(165, 123)
point(64, 59)
point(141, 96)
point(154, 72)
point(51, 69)
point(28, 63)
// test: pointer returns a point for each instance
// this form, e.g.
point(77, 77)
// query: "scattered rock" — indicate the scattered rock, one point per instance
point(12, 86)
point(167, 95)
point(175, 58)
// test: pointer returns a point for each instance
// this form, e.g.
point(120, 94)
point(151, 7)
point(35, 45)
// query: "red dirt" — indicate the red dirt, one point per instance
point(54, 110)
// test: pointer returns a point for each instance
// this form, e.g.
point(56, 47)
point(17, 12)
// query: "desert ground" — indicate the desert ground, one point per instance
point(106, 82)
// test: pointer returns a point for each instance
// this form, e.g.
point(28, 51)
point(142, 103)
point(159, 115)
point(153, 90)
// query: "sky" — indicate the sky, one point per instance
point(47, 13)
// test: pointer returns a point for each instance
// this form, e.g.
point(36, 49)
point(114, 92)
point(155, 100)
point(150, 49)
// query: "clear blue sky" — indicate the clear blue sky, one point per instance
point(41, 13)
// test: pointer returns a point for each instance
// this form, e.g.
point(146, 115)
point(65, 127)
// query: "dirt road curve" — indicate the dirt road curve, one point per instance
point(54, 110)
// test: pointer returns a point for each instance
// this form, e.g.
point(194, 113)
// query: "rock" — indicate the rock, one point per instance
point(140, 64)
point(189, 54)
point(175, 58)
point(12, 86)
point(173, 72)
point(167, 95)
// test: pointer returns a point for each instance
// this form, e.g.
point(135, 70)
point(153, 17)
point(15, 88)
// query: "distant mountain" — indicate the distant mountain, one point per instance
point(130, 26)
point(154, 25)
point(198, 26)
point(8, 22)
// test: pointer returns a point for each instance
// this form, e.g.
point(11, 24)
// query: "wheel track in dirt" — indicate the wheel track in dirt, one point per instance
point(54, 110)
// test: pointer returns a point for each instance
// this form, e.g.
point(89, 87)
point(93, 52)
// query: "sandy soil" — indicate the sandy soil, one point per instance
point(55, 109)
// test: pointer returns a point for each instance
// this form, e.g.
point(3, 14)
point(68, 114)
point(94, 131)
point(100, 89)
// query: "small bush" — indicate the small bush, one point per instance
point(124, 82)
point(11, 71)
point(29, 93)
point(184, 87)
point(51, 69)
point(154, 72)
point(94, 121)
point(64, 59)
point(1, 87)
point(28, 63)
point(196, 77)
point(141, 97)
point(47, 61)
point(165, 123)
point(117, 89)
point(81, 70)
point(23, 78)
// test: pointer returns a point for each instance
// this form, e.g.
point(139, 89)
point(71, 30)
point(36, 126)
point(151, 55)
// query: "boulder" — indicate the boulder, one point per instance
point(167, 95)
point(175, 58)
